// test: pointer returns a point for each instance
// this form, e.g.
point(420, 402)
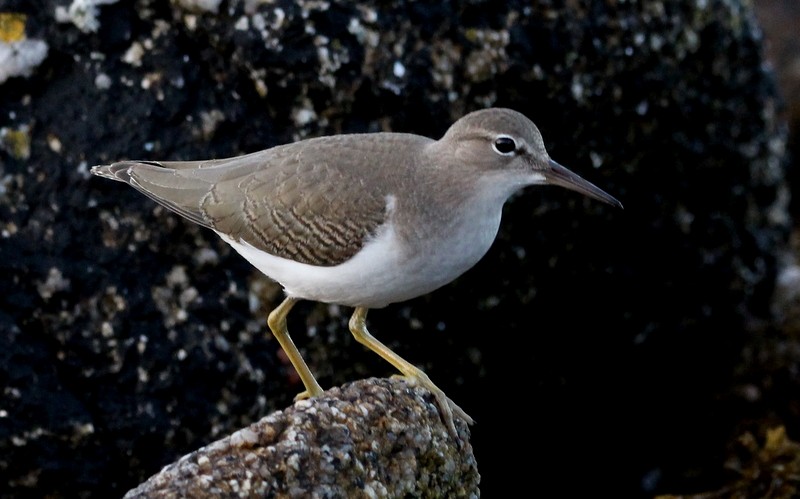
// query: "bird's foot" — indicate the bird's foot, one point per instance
point(411, 373)
point(302, 396)
point(447, 407)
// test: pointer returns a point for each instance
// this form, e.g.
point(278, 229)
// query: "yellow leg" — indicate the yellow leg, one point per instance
point(358, 327)
point(277, 324)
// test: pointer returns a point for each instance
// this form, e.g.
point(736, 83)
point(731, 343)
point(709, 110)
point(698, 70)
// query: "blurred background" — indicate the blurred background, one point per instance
point(646, 351)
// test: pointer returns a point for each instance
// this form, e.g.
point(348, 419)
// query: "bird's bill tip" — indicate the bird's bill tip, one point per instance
point(563, 177)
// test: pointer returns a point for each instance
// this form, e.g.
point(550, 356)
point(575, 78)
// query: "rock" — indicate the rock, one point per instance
point(371, 438)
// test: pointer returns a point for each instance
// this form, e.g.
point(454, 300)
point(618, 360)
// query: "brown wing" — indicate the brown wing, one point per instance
point(312, 201)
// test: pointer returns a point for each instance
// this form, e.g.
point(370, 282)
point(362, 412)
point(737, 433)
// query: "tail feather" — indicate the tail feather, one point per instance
point(166, 186)
point(118, 171)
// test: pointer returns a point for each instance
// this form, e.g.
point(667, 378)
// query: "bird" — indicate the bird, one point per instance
point(362, 220)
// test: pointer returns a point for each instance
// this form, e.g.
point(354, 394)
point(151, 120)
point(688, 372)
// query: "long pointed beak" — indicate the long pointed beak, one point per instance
point(559, 175)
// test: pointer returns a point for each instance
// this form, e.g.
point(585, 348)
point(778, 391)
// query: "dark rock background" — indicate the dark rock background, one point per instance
point(615, 351)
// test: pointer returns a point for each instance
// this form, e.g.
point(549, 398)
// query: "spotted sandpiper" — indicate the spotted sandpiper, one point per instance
point(361, 220)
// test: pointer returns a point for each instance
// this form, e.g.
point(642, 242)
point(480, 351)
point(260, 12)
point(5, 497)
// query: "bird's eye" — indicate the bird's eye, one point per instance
point(504, 145)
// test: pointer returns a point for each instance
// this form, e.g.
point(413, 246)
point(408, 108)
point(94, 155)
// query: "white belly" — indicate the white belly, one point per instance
point(385, 271)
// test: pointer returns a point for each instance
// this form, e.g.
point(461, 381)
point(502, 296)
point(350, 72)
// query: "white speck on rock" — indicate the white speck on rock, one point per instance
point(54, 283)
point(106, 329)
point(398, 69)
point(244, 437)
point(54, 143)
point(259, 23)
point(597, 159)
point(177, 276)
point(82, 13)
point(200, 5)
point(102, 81)
point(20, 58)
point(205, 256)
point(577, 90)
point(280, 17)
point(210, 120)
point(243, 24)
point(303, 116)
point(133, 55)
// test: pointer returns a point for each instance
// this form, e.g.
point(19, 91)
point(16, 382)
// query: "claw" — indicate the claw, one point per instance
point(302, 395)
point(447, 407)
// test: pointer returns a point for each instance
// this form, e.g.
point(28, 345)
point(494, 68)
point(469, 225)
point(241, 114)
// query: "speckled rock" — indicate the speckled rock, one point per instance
point(372, 438)
point(129, 337)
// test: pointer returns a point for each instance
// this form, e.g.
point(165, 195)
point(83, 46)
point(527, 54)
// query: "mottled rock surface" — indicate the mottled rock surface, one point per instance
point(372, 438)
point(129, 338)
